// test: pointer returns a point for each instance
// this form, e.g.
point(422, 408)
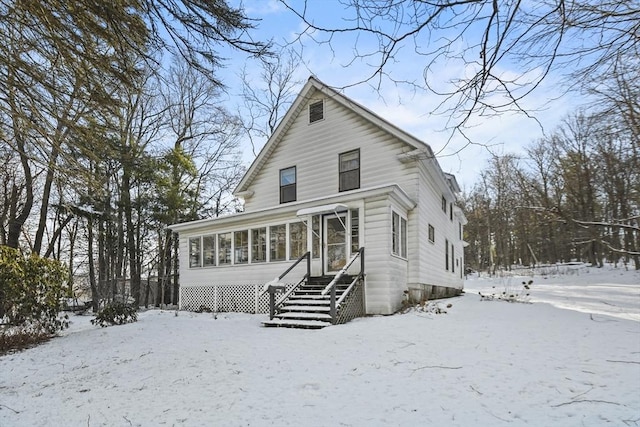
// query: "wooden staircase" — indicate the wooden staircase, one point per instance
point(307, 307)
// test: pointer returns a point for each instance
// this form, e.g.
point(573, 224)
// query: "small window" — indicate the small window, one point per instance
point(432, 234)
point(446, 254)
point(278, 239)
point(224, 249)
point(297, 240)
point(451, 211)
point(444, 204)
point(259, 245)
point(288, 185)
point(349, 170)
point(241, 247)
point(460, 230)
point(209, 250)
point(194, 252)
point(316, 111)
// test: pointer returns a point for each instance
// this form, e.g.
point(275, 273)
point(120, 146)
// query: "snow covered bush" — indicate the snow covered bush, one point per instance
point(510, 293)
point(116, 313)
point(431, 307)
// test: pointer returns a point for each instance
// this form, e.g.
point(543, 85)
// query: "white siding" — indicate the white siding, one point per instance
point(431, 267)
point(314, 149)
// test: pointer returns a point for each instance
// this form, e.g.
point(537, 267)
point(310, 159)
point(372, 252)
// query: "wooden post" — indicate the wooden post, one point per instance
point(332, 306)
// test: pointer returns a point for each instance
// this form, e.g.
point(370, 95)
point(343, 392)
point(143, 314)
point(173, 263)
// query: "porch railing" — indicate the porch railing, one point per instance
point(357, 282)
point(275, 286)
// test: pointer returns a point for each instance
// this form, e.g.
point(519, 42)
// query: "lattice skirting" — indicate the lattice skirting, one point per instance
point(225, 298)
point(353, 305)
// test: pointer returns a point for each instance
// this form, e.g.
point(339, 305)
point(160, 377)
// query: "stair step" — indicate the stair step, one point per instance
point(290, 323)
point(301, 300)
point(303, 315)
point(307, 308)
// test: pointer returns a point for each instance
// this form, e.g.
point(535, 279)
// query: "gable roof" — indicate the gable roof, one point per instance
point(313, 86)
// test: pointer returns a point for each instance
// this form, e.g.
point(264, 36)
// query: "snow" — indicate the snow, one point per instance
point(571, 358)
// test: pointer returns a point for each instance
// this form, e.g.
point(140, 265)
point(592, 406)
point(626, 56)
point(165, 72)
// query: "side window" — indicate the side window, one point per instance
point(403, 237)
point(194, 252)
point(398, 235)
point(209, 250)
point(288, 185)
point(355, 231)
point(259, 245)
point(349, 170)
point(451, 211)
point(316, 111)
point(395, 233)
point(432, 234)
point(278, 238)
point(241, 247)
point(446, 254)
point(224, 249)
point(297, 240)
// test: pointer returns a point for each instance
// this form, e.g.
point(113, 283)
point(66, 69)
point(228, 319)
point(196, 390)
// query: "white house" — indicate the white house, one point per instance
point(333, 178)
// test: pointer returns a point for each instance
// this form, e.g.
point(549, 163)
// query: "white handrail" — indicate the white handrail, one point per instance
point(340, 274)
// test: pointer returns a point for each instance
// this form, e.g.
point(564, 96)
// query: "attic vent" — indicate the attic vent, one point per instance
point(316, 111)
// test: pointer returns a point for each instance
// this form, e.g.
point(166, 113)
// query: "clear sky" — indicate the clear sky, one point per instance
point(407, 108)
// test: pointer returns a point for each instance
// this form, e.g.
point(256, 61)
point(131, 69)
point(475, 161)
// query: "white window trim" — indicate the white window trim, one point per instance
point(400, 217)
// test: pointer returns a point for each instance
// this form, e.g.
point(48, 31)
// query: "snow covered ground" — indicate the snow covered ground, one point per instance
point(572, 358)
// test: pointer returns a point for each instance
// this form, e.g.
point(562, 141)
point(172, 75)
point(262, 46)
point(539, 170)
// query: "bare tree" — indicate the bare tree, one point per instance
point(496, 53)
point(267, 97)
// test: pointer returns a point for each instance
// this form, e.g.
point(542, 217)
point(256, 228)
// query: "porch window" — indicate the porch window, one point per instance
point(278, 239)
point(446, 254)
point(315, 239)
point(398, 235)
point(209, 250)
point(432, 234)
point(316, 111)
point(241, 247)
point(224, 249)
point(297, 240)
point(194, 252)
point(259, 245)
point(288, 185)
point(355, 231)
point(349, 170)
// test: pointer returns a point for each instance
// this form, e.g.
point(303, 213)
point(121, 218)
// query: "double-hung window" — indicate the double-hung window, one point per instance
point(398, 235)
point(288, 185)
point(349, 170)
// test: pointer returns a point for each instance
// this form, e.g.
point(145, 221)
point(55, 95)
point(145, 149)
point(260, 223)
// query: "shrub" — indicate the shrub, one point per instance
point(30, 291)
point(116, 313)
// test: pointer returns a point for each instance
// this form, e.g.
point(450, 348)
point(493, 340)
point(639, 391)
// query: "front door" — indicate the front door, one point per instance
point(335, 242)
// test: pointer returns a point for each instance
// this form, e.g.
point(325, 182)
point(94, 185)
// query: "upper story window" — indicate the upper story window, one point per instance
point(444, 204)
point(288, 185)
point(350, 170)
point(451, 211)
point(432, 234)
point(316, 111)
